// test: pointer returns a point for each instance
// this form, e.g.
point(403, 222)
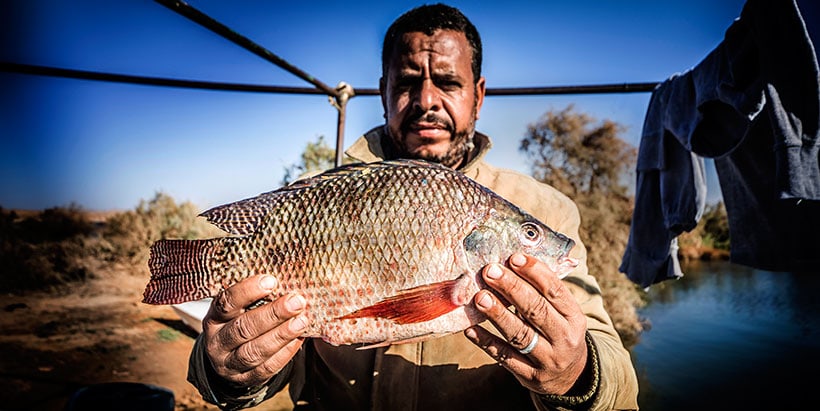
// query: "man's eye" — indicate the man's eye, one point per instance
point(404, 85)
point(449, 85)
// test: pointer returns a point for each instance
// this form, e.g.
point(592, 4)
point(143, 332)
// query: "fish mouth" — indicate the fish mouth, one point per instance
point(565, 264)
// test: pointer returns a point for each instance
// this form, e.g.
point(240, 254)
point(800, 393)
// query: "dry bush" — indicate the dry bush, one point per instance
point(709, 240)
point(57, 246)
point(605, 231)
point(129, 235)
point(588, 161)
point(44, 250)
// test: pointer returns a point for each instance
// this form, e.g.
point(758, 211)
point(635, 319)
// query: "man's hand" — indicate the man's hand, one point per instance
point(248, 347)
point(545, 310)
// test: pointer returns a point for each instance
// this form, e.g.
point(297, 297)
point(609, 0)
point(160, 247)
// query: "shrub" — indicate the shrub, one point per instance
point(43, 250)
point(129, 235)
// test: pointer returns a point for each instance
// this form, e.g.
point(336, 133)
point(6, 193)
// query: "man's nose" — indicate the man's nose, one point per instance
point(427, 98)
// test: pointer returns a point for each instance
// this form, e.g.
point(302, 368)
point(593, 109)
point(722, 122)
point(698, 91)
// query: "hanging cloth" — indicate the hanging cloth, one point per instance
point(753, 104)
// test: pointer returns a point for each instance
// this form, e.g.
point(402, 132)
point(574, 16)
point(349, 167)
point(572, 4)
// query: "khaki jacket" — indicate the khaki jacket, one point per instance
point(448, 373)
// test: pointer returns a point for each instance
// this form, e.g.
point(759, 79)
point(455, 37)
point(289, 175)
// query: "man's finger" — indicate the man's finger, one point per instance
point(501, 351)
point(530, 304)
point(263, 319)
point(271, 344)
point(546, 282)
point(518, 333)
point(267, 369)
point(230, 303)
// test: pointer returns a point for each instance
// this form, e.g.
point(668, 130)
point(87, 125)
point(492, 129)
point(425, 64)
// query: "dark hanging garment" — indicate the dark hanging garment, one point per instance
point(753, 104)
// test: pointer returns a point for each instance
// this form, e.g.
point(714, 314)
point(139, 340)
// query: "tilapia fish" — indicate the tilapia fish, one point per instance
point(384, 253)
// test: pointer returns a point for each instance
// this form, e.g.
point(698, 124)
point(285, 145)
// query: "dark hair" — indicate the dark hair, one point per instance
point(427, 19)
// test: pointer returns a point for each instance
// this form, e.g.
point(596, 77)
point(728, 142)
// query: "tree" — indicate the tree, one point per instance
point(716, 225)
point(317, 156)
point(572, 154)
point(709, 237)
point(590, 163)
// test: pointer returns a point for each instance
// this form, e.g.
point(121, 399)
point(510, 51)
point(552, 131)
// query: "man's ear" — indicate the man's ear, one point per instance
point(480, 91)
point(382, 93)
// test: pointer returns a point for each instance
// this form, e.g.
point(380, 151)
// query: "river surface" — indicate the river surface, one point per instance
point(728, 337)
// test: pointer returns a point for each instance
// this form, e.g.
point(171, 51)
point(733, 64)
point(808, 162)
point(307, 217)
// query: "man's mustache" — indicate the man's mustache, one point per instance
point(427, 119)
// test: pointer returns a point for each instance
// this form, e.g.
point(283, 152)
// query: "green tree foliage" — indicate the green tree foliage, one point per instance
point(588, 161)
point(318, 156)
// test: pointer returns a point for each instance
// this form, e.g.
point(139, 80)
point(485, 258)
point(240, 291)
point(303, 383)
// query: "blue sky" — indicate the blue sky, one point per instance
point(108, 145)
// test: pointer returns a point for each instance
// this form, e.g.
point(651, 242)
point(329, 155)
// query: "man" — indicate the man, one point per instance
point(562, 352)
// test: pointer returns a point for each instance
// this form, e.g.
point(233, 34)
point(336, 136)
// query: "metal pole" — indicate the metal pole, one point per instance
point(587, 89)
point(151, 81)
point(345, 93)
point(219, 28)
point(338, 96)
point(212, 85)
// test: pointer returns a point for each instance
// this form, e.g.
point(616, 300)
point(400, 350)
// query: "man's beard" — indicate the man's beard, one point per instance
point(461, 143)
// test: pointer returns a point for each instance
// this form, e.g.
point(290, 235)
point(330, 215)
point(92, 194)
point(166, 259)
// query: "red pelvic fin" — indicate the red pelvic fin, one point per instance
point(414, 305)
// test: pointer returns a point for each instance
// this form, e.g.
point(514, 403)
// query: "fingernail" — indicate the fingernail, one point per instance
point(518, 259)
point(471, 334)
point(484, 301)
point(267, 283)
point(295, 303)
point(298, 324)
point(494, 272)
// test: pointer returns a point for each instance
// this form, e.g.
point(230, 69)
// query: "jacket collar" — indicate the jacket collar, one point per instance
point(375, 145)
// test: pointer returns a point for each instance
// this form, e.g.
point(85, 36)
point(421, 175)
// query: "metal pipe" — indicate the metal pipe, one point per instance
point(197, 16)
point(588, 89)
point(345, 93)
point(524, 91)
point(340, 135)
point(152, 81)
point(338, 98)
point(211, 85)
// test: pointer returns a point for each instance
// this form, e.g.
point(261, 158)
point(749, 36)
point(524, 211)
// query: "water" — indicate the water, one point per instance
point(728, 337)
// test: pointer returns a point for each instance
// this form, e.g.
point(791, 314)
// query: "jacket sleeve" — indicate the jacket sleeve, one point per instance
point(216, 391)
point(609, 381)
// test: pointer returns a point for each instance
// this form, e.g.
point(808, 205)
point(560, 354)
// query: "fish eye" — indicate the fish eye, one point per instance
point(530, 234)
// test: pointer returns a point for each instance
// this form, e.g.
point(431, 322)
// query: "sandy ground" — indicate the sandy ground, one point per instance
point(53, 343)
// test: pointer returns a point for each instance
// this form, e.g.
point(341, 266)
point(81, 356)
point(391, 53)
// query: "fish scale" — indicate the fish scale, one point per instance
point(384, 252)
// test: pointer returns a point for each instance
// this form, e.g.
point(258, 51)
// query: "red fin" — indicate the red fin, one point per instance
point(414, 305)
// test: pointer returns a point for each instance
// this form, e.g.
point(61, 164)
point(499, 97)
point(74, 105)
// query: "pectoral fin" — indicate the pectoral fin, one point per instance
point(418, 304)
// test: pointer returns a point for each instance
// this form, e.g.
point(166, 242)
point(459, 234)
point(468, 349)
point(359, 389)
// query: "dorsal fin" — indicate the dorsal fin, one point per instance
point(238, 218)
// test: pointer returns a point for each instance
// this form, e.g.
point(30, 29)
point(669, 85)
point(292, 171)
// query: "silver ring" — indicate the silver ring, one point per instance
point(528, 349)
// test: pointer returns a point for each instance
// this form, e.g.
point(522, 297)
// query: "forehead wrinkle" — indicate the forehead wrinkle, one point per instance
point(441, 54)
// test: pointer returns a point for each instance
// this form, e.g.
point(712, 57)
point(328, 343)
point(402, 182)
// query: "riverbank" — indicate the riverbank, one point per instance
point(701, 253)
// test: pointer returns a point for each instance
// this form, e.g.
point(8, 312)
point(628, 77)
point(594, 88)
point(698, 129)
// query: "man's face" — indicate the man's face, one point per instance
point(431, 101)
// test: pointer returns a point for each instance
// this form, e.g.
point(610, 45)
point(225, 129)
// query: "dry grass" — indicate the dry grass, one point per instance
point(51, 248)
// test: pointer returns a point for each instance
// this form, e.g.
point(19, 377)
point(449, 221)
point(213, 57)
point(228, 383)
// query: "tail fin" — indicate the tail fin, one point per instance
point(179, 271)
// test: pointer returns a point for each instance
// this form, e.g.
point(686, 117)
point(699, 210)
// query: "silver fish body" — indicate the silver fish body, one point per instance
point(384, 253)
